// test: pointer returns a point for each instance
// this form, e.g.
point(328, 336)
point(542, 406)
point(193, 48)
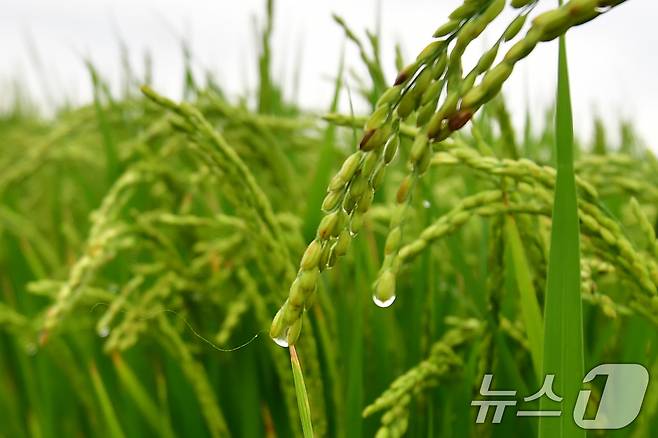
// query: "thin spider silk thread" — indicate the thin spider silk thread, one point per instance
point(190, 327)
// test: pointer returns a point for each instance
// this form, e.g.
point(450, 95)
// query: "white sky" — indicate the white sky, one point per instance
point(612, 60)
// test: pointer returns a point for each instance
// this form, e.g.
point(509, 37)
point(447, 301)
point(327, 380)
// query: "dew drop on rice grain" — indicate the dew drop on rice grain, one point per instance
point(383, 303)
point(282, 339)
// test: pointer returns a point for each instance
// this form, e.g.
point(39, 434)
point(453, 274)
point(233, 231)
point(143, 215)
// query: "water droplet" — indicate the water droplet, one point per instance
point(383, 303)
point(426, 203)
point(104, 331)
point(282, 340)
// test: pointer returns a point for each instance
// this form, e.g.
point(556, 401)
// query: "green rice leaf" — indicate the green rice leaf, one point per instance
point(302, 396)
point(532, 317)
point(143, 401)
point(114, 428)
point(563, 326)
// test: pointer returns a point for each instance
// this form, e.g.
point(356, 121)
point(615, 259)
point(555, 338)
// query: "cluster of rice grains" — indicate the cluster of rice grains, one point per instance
point(433, 91)
point(159, 230)
point(441, 361)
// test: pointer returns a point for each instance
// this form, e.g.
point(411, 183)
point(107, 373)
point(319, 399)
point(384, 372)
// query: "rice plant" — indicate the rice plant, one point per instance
point(156, 255)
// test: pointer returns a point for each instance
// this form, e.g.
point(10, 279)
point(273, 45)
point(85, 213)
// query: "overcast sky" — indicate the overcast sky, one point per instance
point(612, 60)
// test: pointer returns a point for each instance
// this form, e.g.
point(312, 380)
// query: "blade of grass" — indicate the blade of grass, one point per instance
point(300, 390)
point(563, 328)
point(354, 382)
point(529, 306)
point(266, 101)
point(142, 399)
point(104, 126)
point(114, 428)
